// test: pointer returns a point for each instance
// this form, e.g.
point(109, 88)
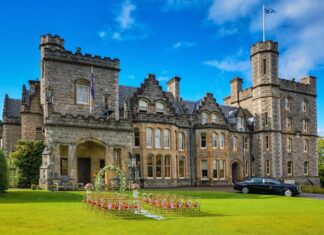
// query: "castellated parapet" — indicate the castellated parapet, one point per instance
point(267, 46)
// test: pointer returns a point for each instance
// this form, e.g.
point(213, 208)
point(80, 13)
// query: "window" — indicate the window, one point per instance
point(102, 163)
point(288, 103)
point(247, 167)
point(304, 106)
point(289, 144)
point(159, 107)
point(289, 123)
point(268, 167)
point(267, 142)
point(204, 171)
point(235, 139)
point(306, 145)
point(266, 122)
point(158, 166)
point(181, 167)
point(289, 168)
point(246, 143)
point(204, 117)
point(214, 118)
point(142, 106)
point(138, 166)
point(157, 135)
point(222, 141)
point(82, 94)
point(150, 166)
point(264, 66)
point(181, 141)
point(305, 125)
point(136, 137)
point(306, 168)
point(167, 166)
point(166, 137)
point(215, 169)
point(149, 141)
point(240, 124)
point(106, 102)
point(214, 140)
point(64, 166)
point(203, 140)
point(222, 169)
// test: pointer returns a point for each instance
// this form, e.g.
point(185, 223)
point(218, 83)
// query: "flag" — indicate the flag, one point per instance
point(92, 85)
point(269, 10)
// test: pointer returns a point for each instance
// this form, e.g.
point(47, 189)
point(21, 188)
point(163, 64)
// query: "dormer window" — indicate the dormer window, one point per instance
point(142, 106)
point(159, 107)
point(214, 118)
point(83, 94)
point(204, 118)
point(240, 124)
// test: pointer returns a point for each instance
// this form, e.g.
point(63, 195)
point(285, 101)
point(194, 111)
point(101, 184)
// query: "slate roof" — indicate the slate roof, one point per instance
point(12, 108)
point(125, 91)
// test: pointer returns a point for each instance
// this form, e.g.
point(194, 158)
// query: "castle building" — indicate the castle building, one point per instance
point(87, 120)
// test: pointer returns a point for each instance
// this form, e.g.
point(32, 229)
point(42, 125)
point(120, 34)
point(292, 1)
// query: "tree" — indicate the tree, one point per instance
point(4, 178)
point(28, 158)
point(320, 150)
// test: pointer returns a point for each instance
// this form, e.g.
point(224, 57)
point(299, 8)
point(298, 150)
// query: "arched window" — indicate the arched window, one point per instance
point(214, 140)
point(221, 141)
point(204, 118)
point(157, 137)
point(142, 106)
point(181, 167)
point(214, 118)
point(166, 138)
point(167, 166)
point(159, 107)
point(150, 166)
point(83, 93)
point(149, 142)
point(158, 166)
point(181, 141)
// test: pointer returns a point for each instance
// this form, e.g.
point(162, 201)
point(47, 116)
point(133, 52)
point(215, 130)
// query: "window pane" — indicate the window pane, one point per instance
point(150, 166)
point(166, 135)
point(158, 164)
point(142, 105)
point(157, 138)
point(181, 167)
point(181, 141)
point(167, 166)
point(148, 137)
point(204, 171)
point(204, 118)
point(159, 107)
point(214, 139)
point(215, 169)
point(136, 137)
point(222, 169)
point(214, 118)
point(82, 94)
point(203, 140)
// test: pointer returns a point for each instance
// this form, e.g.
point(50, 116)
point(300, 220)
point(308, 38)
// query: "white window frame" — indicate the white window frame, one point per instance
point(215, 167)
point(201, 140)
point(235, 142)
point(214, 140)
point(142, 105)
point(181, 140)
point(204, 167)
point(167, 166)
point(222, 166)
point(290, 167)
point(150, 177)
point(159, 107)
point(222, 141)
point(184, 167)
point(307, 167)
point(157, 138)
point(166, 139)
point(214, 118)
point(83, 94)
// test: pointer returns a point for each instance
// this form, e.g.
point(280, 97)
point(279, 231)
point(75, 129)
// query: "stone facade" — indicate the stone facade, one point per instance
point(87, 120)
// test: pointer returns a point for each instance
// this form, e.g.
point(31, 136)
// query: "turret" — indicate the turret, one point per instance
point(264, 59)
point(53, 42)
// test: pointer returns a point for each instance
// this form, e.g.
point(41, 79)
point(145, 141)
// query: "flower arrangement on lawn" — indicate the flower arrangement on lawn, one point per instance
point(88, 187)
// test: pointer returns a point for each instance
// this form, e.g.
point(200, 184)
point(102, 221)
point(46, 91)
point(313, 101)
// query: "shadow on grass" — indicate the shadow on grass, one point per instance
point(39, 196)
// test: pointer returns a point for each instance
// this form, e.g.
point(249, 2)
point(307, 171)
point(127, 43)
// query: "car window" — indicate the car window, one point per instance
point(257, 180)
point(271, 181)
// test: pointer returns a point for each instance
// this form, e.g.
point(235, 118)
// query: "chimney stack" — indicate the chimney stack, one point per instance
point(174, 87)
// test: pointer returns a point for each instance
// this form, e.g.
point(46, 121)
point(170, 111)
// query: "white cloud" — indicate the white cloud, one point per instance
point(320, 132)
point(125, 26)
point(231, 65)
point(183, 44)
point(125, 19)
point(230, 10)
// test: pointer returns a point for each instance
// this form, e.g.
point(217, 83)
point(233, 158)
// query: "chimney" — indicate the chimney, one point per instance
point(236, 87)
point(174, 87)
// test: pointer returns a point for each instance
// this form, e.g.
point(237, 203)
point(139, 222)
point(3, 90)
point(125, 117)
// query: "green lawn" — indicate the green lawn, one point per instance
point(26, 212)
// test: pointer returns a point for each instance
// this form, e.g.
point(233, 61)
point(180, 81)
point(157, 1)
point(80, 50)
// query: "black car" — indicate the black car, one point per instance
point(267, 185)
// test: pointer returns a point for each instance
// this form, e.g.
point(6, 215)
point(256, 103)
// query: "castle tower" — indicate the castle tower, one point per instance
point(266, 109)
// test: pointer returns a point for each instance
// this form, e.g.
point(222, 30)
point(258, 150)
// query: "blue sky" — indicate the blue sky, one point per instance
point(205, 42)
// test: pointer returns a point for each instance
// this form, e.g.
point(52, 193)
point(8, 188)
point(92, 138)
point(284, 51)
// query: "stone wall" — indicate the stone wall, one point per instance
point(11, 133)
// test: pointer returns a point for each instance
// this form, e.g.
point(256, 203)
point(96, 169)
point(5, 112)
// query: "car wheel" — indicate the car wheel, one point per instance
point(245, 190)
point(288, 193)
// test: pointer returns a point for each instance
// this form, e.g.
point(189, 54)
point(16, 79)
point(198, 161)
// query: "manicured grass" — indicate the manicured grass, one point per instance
point(26, 212)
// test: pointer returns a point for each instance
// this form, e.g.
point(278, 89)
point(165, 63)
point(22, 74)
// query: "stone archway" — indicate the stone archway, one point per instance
point(236, 171)
point(91, 156)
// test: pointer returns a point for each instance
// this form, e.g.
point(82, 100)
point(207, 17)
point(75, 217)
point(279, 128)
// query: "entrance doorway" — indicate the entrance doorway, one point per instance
point(236, 172)
point(84, 170)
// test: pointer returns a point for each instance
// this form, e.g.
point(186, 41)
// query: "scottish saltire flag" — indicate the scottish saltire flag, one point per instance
point(269, 10)
point(92, 86)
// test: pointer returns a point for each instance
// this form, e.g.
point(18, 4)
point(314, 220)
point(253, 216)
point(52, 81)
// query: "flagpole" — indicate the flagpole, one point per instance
point(263, 23)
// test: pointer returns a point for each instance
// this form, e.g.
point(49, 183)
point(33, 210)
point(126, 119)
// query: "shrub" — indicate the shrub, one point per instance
point(321, 175)
point(28, 158)
point(4, 177)
point(312, 189)
point(34, 186)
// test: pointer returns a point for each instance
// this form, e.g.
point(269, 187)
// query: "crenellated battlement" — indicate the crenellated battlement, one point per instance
point(266, 46)
point(306, 85)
